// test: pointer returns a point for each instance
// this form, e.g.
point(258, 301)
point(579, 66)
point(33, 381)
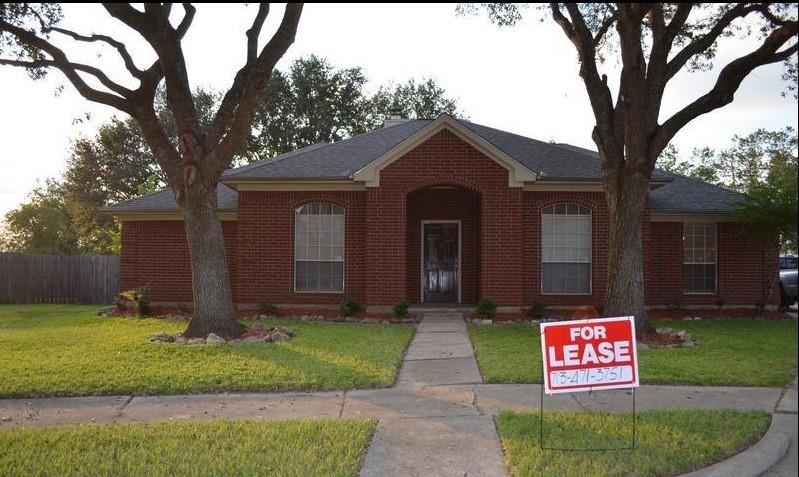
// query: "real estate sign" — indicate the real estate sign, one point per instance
point(585, 355)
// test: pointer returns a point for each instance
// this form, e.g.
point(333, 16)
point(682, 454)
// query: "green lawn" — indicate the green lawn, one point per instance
point(668, 442)
point(213, 448)
point(729, 352)
point(63, 350)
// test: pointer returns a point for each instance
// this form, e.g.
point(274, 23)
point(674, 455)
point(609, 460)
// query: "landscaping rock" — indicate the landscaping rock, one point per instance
point(161, 337)
point(253, 339)
point(308, 318)
point(407, 320)
point(370, 320)
point(235, 342)
point(279, 336)
point(689, 343)
point(180, 340)
point(351, 319)
point(486, 321)
point(285, 331)
point(258, 326)
point(214, 338)
point(641, 346)
point(107, 311)
point(196, 341)
point(664, 331)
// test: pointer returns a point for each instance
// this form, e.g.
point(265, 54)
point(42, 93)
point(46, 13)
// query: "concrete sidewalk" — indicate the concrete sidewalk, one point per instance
point(409, 402)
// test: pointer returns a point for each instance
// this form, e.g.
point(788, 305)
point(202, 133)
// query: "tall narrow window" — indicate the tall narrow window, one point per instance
point(566, 249)
point(319, 248)
point(699, 258)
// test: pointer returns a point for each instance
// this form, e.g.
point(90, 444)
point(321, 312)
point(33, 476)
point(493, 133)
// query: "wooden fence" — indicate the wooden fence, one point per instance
point(86, 279)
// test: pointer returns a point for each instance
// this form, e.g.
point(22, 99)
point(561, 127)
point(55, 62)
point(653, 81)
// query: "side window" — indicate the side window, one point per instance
point(699, 258)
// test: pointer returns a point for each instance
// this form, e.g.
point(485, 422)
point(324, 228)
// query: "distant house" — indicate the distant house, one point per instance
point(444, 211)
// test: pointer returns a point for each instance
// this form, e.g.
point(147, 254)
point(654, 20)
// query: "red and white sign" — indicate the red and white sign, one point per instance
point(585, 355)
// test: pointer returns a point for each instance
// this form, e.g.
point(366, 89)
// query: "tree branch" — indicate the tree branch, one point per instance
point(70, 70)
point(118, 45)
point(255, 86)
point(596, 85)
point(255, 31)
point(231, 99)
point(728, 82)
point(706, 41)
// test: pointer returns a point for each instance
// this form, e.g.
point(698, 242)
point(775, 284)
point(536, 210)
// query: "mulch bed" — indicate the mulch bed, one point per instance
point(657, 340)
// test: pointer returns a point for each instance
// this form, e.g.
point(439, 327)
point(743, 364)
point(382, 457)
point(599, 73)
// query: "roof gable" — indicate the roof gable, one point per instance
point(518, 174)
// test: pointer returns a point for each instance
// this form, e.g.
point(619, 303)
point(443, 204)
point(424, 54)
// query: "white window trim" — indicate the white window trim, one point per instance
point(294, 252)
point(541, 252)
point(715, 261)
point(421, 253)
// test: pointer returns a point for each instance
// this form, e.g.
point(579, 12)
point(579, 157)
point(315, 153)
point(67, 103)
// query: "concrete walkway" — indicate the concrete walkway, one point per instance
point(434, 431)
point(437, 421)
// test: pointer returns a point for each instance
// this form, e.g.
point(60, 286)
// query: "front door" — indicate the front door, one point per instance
point(440, 255)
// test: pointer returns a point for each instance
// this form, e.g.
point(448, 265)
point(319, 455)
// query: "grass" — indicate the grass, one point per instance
point(66, 350)
point(729, 352)
point(668, 442)
point(212, 448)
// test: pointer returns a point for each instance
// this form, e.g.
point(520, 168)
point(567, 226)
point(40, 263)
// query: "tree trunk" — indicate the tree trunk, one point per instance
point(625, 280)
point(213, 299)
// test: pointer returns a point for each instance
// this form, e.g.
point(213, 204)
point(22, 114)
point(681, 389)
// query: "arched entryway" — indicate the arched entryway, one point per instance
point(442, 244)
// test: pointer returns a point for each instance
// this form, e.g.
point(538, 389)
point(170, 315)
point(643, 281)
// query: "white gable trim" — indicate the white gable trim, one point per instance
point(517, 173)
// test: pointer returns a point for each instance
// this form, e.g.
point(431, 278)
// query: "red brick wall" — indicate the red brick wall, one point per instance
point(444, 204)
point(534, 202)
point(155, 255)
point(500, 239)
point(744, 269)
point(444, 159)
point(266, 247)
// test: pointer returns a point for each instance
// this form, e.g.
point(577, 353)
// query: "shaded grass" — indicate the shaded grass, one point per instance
point(66, 350)
point(668, 442)
point(213, 448)
point(729, 352)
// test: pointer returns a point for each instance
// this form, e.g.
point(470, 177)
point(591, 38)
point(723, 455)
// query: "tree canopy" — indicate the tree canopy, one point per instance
point(312, 102)
point(652, 43)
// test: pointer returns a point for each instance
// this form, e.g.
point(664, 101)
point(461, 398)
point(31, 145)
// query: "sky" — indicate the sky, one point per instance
point(522, 79)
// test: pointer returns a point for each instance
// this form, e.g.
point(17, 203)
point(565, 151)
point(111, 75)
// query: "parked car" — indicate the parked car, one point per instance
point(788, 273)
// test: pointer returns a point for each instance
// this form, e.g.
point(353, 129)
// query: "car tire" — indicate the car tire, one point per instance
point(785, 300)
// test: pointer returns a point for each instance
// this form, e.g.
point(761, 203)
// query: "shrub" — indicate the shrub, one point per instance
point(600, 309)
point(350, 307)
point(140, 298)
point(184, 309)
point(538, 310)
point(269, 309)
point(400, 308)
point(486, 308)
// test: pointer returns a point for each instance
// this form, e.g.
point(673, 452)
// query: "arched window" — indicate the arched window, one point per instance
point(566, 249)
point(319, 248)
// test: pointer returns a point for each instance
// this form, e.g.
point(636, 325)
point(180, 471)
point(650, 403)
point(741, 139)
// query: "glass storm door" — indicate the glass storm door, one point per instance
point(440, 262)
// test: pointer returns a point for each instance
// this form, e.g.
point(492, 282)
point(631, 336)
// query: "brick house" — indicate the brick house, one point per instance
point(444, 211)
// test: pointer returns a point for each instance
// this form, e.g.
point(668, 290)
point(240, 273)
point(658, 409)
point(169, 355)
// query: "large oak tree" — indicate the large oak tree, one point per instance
point(652, 43)
point(193, 166)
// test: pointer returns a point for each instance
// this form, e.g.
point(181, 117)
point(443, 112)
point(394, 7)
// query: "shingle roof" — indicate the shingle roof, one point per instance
point(550, 161)
point(683, 195)
point(689, 196)
point(338, 160)
point(227, 200)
